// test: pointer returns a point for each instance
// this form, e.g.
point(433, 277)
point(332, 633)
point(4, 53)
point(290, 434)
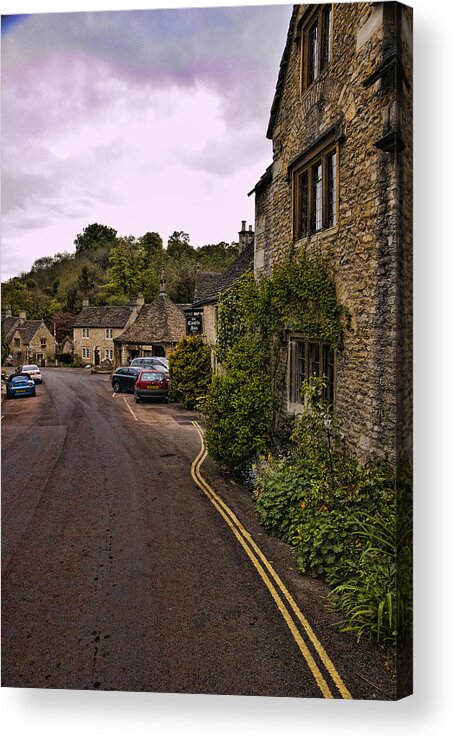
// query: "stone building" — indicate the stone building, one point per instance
point(96, 328)
point(209, 286)
point(30, 340)
point(155, 331)
point(340, 184)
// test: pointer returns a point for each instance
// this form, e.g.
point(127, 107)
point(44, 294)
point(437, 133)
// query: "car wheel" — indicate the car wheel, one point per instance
point(117, 387)
point(138, 400)
point(34, 393)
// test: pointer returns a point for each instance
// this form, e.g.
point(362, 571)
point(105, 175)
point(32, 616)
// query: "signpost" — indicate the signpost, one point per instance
point(194, 323)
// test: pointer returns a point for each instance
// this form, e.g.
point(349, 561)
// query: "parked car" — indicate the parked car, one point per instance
point(20, 385)
point(123, 379)
point(151, 385)
point(150, 362)
point(32, 370)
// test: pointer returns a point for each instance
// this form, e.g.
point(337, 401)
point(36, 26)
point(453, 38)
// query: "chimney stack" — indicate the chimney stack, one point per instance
point(245, 237)
point(85, 302)
point(8, 312)
point(22, 315)
point(137, 301)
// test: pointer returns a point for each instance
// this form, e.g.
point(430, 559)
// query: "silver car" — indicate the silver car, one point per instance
point(32, 370)
point(151, 361)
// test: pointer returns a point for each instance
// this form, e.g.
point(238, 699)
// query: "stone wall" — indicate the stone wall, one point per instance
point(369, 249)
point(97, 339)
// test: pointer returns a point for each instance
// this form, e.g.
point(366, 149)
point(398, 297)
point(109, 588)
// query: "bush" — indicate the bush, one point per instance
point(238, 408)
point(190, 371)
point(66, 358)
point(343, 522)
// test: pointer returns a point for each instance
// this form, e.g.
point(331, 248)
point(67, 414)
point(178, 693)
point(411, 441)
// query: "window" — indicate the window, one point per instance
point(85, 332)
point(315, 193)
point(86, 353)
point(311, 358)
point(109, 354)
point(317, 41)
point(108, 333)
point(43, 342)
point(17, 342)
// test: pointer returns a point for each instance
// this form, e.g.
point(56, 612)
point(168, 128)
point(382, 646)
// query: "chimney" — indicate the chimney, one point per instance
point(22, 315)
point(137, 301)
point(245, 237)
point(85, 302)
point(8, 312)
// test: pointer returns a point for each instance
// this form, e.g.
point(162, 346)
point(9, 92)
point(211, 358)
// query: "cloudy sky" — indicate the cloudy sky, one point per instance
point(141, 120)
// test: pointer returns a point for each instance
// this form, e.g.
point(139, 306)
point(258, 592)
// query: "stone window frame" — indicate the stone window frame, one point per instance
point(17, 342)
point(109, 354)
point(315, 18)
point(86, 353)
point(85, 332)
point(296, 373)
point(108, 333)
point(304, 169)
point(43, 342)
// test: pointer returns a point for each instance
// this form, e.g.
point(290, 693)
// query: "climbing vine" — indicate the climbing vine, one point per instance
point(244, 403)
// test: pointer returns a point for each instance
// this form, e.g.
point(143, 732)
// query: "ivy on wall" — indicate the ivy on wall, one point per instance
point(244, 403)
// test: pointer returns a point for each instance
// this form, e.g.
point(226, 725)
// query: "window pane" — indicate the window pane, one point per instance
point(300, 370)
point(326, 36)
point(313, 53)
point(317, 198)
point(302, 207)
point(314, 359)
point(332, 181)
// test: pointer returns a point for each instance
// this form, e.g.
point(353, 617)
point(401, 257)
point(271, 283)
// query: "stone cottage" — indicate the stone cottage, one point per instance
point(30, 340)
point(340, 185)
point(97, 327)
point(209, 287)
point(155, 331)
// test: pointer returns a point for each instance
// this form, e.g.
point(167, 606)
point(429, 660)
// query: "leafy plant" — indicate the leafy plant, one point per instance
point(190, 371)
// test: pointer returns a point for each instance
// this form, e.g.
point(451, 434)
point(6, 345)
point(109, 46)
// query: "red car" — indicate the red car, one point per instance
point(151, 384)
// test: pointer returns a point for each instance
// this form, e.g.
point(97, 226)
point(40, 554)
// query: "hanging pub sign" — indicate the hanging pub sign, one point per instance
point(194, 323)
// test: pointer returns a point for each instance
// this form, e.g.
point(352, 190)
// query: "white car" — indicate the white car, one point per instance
point(33, 371)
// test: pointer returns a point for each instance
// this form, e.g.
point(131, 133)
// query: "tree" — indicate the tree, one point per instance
point(42, 264)
point(178, 246)
point(5, 346)
point(86, 280)
point(128, 262)
point(93, 236)
point(64, 323)
point(152, 245)
point(72, 301)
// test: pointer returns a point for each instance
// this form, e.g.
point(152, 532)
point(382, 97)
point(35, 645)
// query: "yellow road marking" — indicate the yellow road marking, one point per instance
point(243, 535)
point(130, 409)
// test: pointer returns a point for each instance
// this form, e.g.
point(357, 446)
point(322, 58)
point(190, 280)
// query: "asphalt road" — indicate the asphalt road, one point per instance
point(120, 573)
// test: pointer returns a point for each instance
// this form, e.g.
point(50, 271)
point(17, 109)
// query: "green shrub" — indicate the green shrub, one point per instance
point(238, 409)
point(190, 371)
point(347, 523)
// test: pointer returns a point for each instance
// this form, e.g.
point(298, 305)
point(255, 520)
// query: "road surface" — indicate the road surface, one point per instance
point(131, 563)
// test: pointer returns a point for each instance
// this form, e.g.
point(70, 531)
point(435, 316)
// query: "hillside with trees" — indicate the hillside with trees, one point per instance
point(110, 269)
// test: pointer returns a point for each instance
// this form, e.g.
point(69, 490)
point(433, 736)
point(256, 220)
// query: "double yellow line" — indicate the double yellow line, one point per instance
point(280, 594)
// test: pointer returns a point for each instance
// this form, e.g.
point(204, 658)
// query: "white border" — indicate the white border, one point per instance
point(74, 715)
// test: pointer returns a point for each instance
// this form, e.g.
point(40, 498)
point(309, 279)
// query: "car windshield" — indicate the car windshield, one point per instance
point(151, 376)
point(21, 377)
point(147, 362)
point(30, 368)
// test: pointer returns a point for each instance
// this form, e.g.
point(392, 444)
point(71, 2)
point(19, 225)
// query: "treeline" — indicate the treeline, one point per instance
point(110, 269)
